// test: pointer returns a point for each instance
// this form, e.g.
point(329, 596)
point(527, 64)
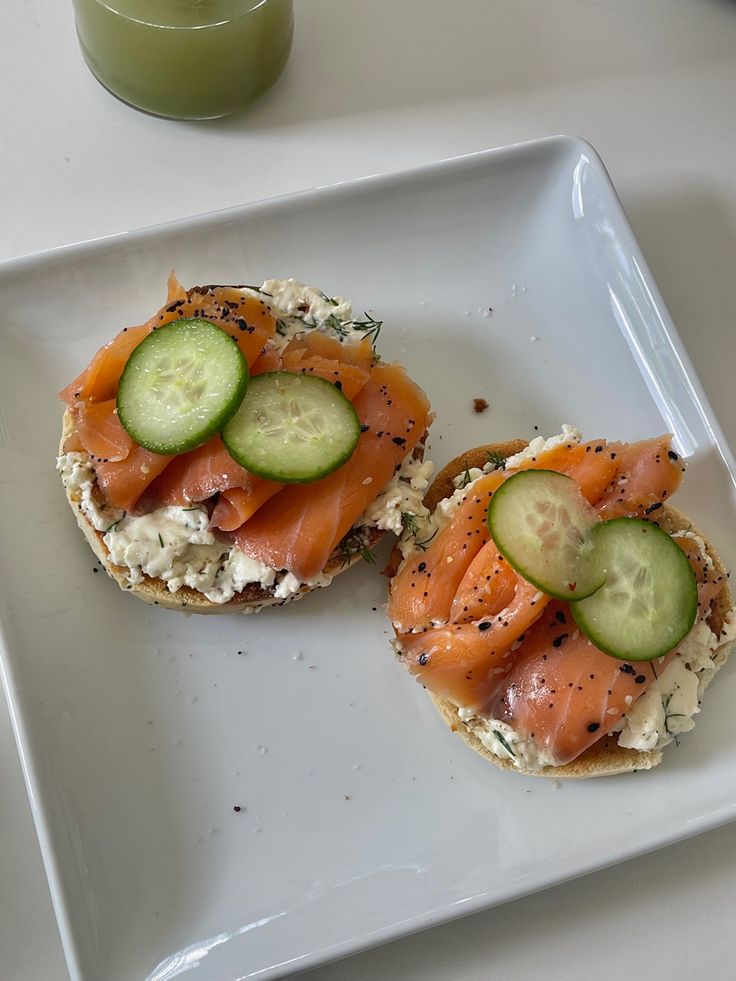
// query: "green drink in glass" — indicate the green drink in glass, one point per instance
point(186, 59)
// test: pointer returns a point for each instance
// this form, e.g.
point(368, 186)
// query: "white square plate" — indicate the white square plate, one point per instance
point(362, 817)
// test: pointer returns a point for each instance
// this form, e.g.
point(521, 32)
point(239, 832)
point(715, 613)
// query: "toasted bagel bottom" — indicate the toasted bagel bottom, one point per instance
point(606, 757)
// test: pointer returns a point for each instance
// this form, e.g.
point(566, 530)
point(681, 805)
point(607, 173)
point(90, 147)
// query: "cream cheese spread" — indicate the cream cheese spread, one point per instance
point(298, 306)
point(400, 503)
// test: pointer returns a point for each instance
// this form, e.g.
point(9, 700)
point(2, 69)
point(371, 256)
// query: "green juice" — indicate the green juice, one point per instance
point(186, 59)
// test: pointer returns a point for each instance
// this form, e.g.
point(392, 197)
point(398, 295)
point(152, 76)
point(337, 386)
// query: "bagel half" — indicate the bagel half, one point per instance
point(292, 309)
point(606, 757)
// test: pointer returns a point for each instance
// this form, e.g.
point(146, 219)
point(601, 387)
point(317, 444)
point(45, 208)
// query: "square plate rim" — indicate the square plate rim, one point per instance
point(381, 181)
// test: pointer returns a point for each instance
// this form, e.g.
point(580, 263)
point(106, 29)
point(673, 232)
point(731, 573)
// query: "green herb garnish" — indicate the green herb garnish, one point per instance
point(503, 742)
point(423, 546)
point(356, 547)
point(409, 521)
point(370, 326)
point(498, 461)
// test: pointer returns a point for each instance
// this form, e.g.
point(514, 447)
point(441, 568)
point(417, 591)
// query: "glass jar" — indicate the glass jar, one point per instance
point(186, 59)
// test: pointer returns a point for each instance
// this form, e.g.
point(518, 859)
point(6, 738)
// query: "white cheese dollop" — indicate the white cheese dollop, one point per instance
point(665, 709)
point(176, 545)
point(299, 307)
point(79, 480)
point(403, 494)
point(294, 299)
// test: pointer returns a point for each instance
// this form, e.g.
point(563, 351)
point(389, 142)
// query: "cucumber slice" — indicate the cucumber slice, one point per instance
point(649, 600)
point(181, 385)
point(292, 428)
point(541, 524)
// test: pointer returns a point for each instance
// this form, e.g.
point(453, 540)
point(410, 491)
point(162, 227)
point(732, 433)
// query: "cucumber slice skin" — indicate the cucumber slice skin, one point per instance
point(187, 429)
point(676, 605)
point(505, 524)
point(252, 451)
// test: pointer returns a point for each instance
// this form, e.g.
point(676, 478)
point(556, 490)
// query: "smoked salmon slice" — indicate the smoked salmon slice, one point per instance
point(564, 693)
point(463, 661)
point(268, 360)
point(237, 504)
point(123, 482)
point(486, 588)
point(317, 354)
point(648, 474)
point(318, 344)
point(299, 528)
point(593, 465)
point(99, 430)
point(424, 588)
point(200, 474)
point(193, 477)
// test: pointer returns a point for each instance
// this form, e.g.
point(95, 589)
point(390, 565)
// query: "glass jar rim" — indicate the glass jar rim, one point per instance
point(226, 14)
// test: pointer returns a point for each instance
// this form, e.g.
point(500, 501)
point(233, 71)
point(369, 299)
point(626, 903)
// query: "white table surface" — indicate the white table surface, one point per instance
point(382, 85)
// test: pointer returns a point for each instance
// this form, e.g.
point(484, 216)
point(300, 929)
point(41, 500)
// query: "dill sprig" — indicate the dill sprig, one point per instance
point(671, 715)
point(370, 326)
point(409, 521)
point(352, 548)
point(499, 736)
point(465, 480)
point(423, 546)
point(498, 461)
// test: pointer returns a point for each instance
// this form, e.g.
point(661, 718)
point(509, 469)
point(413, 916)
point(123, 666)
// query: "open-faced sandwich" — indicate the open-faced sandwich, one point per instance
point(564, 618)
point(241, 447)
